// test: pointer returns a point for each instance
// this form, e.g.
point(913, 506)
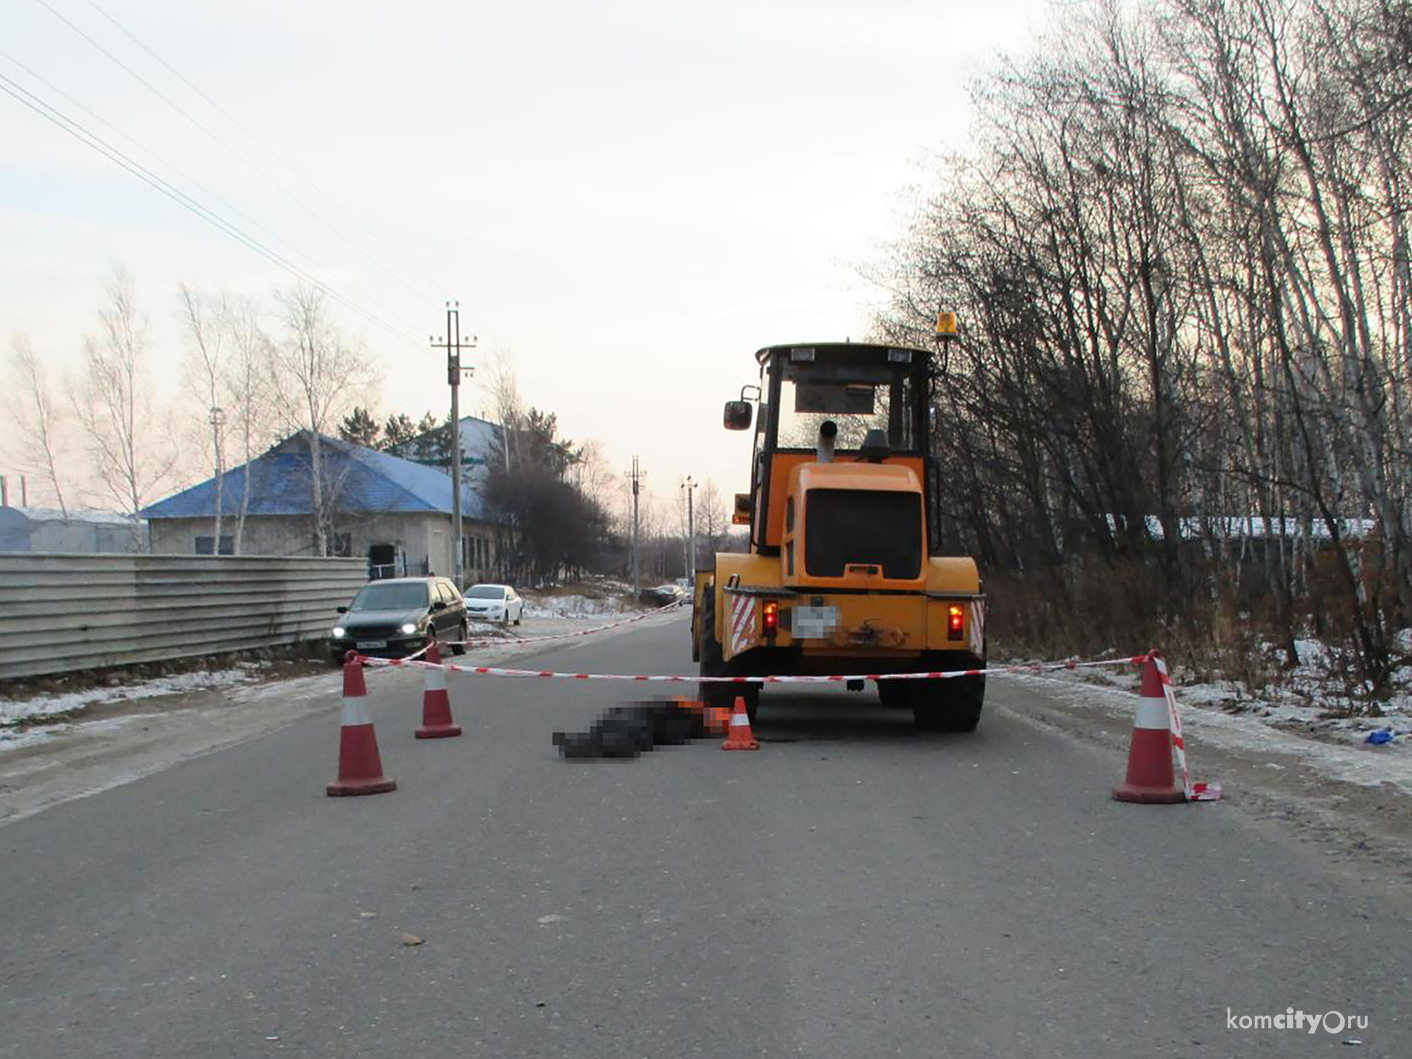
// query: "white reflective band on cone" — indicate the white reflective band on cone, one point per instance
point(1152, 713)
point(355, 711)
point(436, 680)
point(739, 720)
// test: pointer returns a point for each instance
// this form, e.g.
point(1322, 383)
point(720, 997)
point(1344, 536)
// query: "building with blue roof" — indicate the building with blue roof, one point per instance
point(477, 445)
point(394, 511)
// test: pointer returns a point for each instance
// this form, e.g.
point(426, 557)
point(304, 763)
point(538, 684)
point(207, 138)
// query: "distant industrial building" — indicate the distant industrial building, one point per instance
point(36, 529)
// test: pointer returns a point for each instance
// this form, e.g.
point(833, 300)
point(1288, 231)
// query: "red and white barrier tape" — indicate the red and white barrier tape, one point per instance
point(515, 640)
point(498, 671)
point(1195, 792)
point(365, 660)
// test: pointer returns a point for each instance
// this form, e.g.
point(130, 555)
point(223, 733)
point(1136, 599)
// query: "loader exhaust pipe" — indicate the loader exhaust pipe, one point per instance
point(828, 430)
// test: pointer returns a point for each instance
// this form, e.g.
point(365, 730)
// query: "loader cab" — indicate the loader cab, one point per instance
point(834, 403)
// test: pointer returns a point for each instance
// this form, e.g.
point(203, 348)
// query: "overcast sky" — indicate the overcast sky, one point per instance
point(628, 198)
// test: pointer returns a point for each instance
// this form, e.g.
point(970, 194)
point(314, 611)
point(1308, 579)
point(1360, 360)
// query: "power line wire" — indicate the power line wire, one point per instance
point(272, 152)
point(137, 169)
point(215, 138)
point(231, 207)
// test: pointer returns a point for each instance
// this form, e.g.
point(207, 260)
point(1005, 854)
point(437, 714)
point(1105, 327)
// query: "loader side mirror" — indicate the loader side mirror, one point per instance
point(743, 508)
point(738, 414)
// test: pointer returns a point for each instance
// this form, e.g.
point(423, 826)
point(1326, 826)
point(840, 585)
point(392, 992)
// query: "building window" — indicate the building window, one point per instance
point(206, 545)
point(382, 561)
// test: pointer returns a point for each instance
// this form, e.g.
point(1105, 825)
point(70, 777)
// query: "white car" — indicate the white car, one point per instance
point(494, 603)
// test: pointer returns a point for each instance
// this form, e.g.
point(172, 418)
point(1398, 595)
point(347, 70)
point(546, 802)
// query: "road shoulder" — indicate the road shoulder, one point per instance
point(1355, 803)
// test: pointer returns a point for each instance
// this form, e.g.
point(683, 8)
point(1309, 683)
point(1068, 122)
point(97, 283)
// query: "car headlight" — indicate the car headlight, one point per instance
point(409, 628)
point(339, 632)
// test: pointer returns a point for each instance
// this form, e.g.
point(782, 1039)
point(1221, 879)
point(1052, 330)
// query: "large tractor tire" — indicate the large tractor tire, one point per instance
point(713, 664)
point(948, 705)
point(893, 692)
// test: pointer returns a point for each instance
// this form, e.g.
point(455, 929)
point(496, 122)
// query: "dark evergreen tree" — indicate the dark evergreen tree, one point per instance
point(398, 430)
point(360, 428)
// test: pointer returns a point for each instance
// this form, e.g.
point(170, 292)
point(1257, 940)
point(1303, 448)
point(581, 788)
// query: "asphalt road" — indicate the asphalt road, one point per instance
point(853, 889)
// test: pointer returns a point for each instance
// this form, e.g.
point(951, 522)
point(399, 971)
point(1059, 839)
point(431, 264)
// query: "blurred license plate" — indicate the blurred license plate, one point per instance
point(365, 645)
point(814, 623)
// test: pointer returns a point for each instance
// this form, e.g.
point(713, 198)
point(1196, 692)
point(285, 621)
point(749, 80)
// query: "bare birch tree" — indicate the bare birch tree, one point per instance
point(320, 374)
point(711, 518)
point(250, 396)
point(507, 409)
point(131, 452)
point(204, 319)
point(38, 419)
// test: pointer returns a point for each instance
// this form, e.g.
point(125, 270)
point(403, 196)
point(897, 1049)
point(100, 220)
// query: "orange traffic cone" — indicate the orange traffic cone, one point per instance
point(738, 735)
point(359, 765)
point(436, 704)
point(1150, 778)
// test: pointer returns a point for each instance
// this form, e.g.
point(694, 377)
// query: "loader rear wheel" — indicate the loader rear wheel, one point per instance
point(948, 705)
point(713, 664)
point(893, 692)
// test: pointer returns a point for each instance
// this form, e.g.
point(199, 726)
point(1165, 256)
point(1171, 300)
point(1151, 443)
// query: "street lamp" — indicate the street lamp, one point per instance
point(689, 486)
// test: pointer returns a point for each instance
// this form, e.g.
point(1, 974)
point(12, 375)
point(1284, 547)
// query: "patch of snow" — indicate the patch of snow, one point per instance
point(572, 606)
point(1222, 714)
point(15, 738)
point(293, 689)
point(24, 711)
point(109, 724)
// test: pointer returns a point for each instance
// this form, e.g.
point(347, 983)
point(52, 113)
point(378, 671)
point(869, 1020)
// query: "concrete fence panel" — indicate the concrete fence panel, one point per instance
point(61, 613)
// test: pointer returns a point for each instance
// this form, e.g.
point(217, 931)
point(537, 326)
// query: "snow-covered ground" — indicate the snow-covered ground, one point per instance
point(1312, 699)
point(26, 711)
point(1304, 716)
point(599, 598)
point(572, 606)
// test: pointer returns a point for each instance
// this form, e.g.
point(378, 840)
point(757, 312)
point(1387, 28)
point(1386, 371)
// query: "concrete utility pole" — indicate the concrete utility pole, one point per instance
point(690, 486)
point(635, 476)
point(453, 346)
point(218, 419)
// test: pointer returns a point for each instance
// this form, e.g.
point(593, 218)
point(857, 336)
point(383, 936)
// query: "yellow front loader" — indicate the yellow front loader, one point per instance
point(841, 575)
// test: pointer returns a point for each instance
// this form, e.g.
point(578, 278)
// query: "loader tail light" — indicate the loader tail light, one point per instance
point(770, 617)
point(955, 622)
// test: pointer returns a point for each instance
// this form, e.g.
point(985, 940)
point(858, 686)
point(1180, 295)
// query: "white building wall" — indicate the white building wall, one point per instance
point(423, 539)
